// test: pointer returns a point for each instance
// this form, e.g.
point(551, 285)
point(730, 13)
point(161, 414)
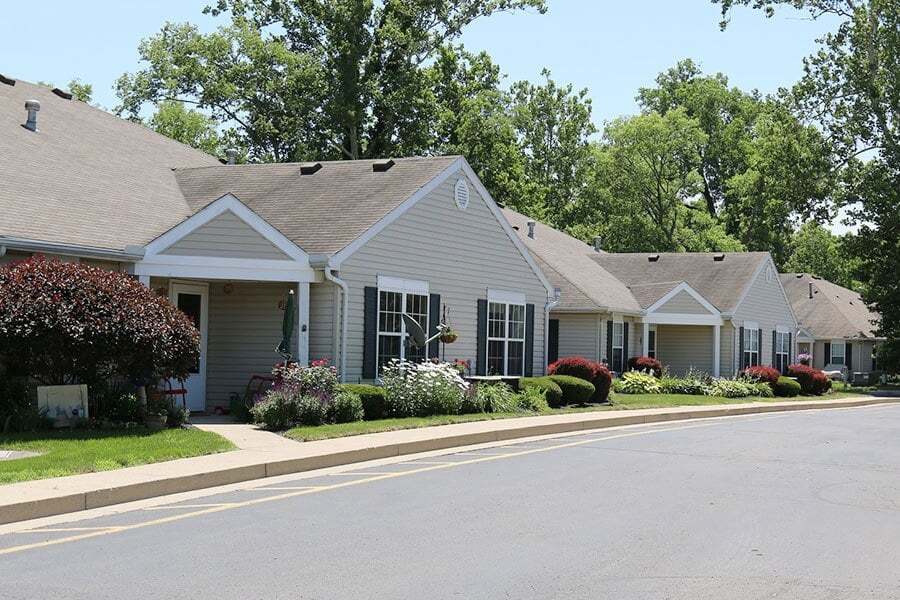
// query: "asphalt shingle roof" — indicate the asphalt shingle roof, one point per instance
point(832, 312)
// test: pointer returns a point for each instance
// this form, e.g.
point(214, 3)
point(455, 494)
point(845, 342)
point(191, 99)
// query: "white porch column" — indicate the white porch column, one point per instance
point(645, 341)
point(717, 350)
point(303, 323)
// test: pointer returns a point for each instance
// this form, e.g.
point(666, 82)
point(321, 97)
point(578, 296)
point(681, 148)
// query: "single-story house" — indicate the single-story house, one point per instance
point(836, 327)
point(359, 242)
point(713, 312)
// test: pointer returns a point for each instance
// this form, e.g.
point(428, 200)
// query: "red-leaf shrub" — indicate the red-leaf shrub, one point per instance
point(763, 373)
point(68, 322)
point(645, 363)
point(813, 382)
point(589, 370)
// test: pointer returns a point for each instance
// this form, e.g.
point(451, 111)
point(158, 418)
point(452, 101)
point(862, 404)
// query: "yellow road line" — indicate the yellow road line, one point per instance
point(254, 501)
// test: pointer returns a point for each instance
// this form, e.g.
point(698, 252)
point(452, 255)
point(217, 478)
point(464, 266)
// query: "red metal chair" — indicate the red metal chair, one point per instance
point(173, 392)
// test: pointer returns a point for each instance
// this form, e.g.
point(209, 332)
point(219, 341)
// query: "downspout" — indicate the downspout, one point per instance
point(552, 302)
point(345, 304)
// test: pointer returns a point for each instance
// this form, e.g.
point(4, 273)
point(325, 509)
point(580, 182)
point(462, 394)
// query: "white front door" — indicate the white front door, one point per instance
point(193, 300)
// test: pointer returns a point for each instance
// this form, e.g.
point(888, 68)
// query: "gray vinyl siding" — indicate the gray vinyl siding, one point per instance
point(682, 347)
point(244, 329)
point(323, 306)
point(460, 253)
point(727, 346)
point(766, 305)
point(226, 236)
point(635, 337)
point(683, 303)
point(579, 335)
point(862, 356)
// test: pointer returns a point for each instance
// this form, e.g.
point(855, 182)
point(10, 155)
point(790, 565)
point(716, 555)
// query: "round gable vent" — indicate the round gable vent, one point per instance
point(461, 194)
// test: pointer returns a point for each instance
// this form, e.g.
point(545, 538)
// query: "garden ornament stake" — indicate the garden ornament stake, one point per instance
point(417, 337)
point(287, 329)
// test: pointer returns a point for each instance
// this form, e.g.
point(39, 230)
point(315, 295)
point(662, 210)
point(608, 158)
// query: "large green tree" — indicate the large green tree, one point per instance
point(190, 127)
point(301, 79)
point(817, 251)
point(851, 89)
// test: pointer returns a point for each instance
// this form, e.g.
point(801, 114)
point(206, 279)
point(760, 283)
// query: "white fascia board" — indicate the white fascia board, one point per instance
point(408, 286)
point(682, 319)
point(228, 203)
point(782, 329)
point(505, 297)
point(684, 287)
point(210, 267)
point(750, 325)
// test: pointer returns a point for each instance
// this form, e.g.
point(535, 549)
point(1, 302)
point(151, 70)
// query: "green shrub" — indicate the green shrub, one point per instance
point(345, 407)
point(310, 410)
point(372, 398)
point(532, 399)
point(681, 385)
point(552, 392)
point(238, 409)
point(17, 411)
point(763, 389)
point(276, 411)
point(496, 398)
point(639, 382)
point(786, 387)
point(121, 408)
point(574, 390)
point(730, 388)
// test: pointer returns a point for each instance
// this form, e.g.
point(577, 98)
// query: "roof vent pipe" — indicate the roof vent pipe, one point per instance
point(231, 155)
point(598, 243)
point(810, 290)
point(530, 229)
point(32, 106)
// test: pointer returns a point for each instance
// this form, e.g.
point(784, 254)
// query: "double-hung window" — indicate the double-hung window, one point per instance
point(838, 353)
point(782, 351)
point(618, 346)
point(751, 345)
point(506, 334)
point(396, 296)
point(651, 342)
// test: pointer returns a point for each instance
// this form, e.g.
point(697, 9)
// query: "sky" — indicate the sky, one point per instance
point(612, 48)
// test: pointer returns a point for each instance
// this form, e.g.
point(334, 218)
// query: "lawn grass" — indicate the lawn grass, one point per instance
point(70, 452)
point(308, 433)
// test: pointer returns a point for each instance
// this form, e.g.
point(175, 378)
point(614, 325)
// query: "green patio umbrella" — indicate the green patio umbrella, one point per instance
point(287, 328)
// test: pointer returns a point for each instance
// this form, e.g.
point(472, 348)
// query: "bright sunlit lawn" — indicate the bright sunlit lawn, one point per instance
point(618, 402)
point(70, 452)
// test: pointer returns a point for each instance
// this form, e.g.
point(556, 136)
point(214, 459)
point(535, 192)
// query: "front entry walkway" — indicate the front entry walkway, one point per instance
point(244, 435)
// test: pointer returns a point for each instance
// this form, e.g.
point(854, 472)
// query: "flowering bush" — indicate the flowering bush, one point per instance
point(646, 364)
point(731, 388)
point(762, 373)
point(813, 382)
point(638, 382)
point(693, 383)
point(69, 322)
point(422, 388)
point(595, 373)
point(318, 380)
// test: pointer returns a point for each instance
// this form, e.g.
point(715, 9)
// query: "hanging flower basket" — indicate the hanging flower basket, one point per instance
point(449, 336)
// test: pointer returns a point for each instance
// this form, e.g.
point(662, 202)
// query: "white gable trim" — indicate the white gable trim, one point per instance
point(684, 287)
point(227, 203)
point(682, 319)
point(396, 213)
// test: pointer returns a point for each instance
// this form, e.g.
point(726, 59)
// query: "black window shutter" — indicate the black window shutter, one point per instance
point(529, 340)
point(609, 334)
point(774, 349)
point(434, 320)
point(624, 364)
point(741, 350)
point(827, 353)
point(848, 351)
point(790, 350)
point(370, 332)
point(553, 342)
point(759, 347)
point(481, 342)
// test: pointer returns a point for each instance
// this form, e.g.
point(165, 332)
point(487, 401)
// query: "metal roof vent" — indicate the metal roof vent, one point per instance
point(32, 106)
point(718, 257)
point(62, 94)
point(380, 166)
point(309, 168)
point(231, 155)
point(531, 225)
point(7, 80)
point(461, 194)
point(598, 243)
point(653, 257)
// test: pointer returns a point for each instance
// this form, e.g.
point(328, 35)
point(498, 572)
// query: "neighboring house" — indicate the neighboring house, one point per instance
point(837, 327)
point(714, 312)
point(359, 242)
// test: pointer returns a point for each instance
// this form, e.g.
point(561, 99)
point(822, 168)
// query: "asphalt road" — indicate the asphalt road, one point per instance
point(795, 505)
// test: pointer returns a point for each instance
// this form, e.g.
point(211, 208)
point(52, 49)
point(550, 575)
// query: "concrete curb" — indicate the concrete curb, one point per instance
point(257, 465)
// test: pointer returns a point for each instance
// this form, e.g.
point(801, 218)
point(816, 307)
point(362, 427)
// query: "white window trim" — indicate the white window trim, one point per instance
point(655, 332)
point(498, 299)
point(785, 338)
point(620, 367)
point(402, 333)
point(842, 344)
point(404, 286)
point(750, 326)
point(505, 297)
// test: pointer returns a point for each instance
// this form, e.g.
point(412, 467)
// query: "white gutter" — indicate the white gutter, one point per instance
point(129, 254)
point(345, 304)
point(552, 301)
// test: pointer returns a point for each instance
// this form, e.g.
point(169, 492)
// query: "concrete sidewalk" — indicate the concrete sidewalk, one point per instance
point(263, 454)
